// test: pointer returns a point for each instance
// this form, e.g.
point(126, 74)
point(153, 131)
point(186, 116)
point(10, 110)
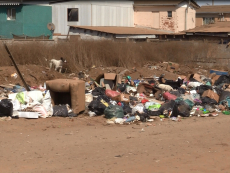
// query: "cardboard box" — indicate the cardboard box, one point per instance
point(211, 94)
point(107, 78)
point(122, 98)
point(214, 79)
point(194, 76)
point(171, 67)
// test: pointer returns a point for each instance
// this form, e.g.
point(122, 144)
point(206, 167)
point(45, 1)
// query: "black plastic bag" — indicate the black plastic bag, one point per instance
point(167, 107)
point(152, 113)
point(127, 109)
point(176, 93)
point(222, 79)
point(97, 107)
point(207, 100)
point(121, 87)
point(181, 90)
point(224, 95)
point(98, 91)
point(6, 108)
point(183, 109)
point(103, 97)
point(201, 89)
point(60, 111)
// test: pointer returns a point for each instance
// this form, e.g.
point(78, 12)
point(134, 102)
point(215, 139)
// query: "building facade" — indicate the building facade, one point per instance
point(25, 19)
point(171, 15)
point(210, 14)
point(91, 13)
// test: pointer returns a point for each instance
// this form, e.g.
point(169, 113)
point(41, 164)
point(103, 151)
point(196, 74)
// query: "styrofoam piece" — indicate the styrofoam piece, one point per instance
point(33, 115)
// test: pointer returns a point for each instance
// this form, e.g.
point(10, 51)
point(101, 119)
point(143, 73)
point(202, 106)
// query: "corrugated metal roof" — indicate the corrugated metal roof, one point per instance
point(121, 30)
point(11, 3)
point(214, 9)
point(164, 2)
point(216, 27)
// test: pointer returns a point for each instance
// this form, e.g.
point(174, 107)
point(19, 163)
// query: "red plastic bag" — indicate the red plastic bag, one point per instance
point(144, 101)
point(169, 96)
point(111, 93)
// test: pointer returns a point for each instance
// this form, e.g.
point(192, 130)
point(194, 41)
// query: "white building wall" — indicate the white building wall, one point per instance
point(93, 13)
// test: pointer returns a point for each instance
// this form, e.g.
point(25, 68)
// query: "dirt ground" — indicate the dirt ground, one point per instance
point(85, 144)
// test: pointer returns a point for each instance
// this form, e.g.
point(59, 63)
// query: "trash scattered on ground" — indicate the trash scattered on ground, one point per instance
point(120, 98)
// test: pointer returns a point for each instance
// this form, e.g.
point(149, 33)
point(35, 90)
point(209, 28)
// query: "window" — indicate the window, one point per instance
point(169, 13)
point(72, 14)
point(11, 14)
point(208, 20)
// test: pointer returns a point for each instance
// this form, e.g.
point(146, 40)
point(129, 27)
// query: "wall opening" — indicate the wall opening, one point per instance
point(72, 14)
point(169, 13)
point(11, 14)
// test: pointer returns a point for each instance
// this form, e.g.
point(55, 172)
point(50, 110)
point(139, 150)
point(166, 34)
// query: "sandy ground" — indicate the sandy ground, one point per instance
point(84, 144)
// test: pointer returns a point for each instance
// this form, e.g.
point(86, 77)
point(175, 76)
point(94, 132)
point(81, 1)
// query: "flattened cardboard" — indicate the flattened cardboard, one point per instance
point(110, 76)
point(194, 76)
point(172, 67)
point(122, 98)
point(211, 94)
point(215, 78)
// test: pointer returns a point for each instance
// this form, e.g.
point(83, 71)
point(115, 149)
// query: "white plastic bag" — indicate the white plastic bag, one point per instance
point(139, 108)
point(46, 103)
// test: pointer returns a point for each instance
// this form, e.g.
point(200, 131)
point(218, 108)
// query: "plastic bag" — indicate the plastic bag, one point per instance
point(207, 100)
point(42, 111)
point(111, 93)
point(47, 104)
point(147, 104)
point(194, 84)
point(6, 108)
point(169, 109)
point(169, 96)
point(127, 109)
point(98, 91)
point(97, 107)
point(60, 111)
point(114, 111)
point(121, 87)
point(222, 79)
point(201, 89)
point(138, 108)
point(21, 97)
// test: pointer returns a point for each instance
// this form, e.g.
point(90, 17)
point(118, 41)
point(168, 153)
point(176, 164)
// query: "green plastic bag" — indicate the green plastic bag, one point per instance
point(226, 112)
point(114, 111)
point(21, 97)
point(156, 106)
point(189, 102)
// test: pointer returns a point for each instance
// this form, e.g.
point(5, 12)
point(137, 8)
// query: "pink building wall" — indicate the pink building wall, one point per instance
point(157, 17)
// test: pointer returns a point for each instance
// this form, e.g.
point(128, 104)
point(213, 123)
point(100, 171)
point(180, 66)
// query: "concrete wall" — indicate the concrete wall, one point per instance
point(199, 21)
point(30, 20)
point(157, 17)
point(154, 17)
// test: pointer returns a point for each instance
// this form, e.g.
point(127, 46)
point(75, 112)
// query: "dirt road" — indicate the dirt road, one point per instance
point(84, 144)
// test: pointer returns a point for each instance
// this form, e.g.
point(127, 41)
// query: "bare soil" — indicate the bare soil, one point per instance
point(85, 144)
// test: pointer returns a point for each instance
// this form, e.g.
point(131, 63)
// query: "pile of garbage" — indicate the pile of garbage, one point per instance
point(16, 103)
point(122, 99)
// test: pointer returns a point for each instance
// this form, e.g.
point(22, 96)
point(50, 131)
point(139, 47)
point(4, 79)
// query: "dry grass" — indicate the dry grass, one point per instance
point(84, 54)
